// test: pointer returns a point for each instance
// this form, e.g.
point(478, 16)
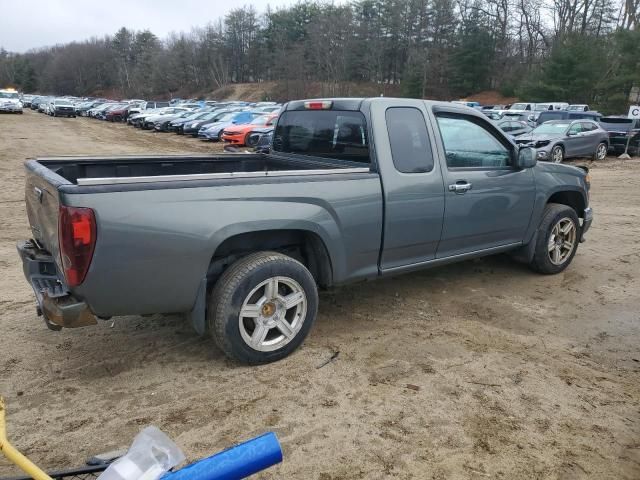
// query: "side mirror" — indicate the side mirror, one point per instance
point(527, 157)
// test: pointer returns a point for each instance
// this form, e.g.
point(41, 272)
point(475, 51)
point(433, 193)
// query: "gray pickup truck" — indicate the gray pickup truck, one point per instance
point(353, 189)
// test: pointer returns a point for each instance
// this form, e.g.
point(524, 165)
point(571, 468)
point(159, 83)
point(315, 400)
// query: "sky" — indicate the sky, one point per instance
point(27, 24)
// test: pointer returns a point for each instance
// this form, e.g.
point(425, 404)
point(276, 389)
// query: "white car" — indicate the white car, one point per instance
point(10, 101)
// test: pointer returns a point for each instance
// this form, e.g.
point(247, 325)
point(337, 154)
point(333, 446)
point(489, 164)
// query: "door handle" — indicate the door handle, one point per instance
point(460, 187)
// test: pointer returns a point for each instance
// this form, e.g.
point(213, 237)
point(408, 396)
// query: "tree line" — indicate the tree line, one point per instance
point(581, 51)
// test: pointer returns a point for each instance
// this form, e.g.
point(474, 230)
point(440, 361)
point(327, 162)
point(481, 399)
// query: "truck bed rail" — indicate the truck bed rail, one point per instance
point(216, 176)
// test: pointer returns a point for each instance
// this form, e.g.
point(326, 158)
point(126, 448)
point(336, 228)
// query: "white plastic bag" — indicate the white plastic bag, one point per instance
point(151, 455)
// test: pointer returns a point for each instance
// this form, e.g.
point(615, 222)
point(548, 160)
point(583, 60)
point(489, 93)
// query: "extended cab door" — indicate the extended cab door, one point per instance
point(411, 182)
point(488, 202)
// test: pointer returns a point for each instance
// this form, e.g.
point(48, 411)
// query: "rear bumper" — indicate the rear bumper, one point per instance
point(55, 303)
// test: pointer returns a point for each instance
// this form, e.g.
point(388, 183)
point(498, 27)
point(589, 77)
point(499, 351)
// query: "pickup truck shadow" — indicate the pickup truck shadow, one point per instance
point(345, 313)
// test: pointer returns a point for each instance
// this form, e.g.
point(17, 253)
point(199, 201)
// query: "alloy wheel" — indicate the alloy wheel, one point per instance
point(562, 241)
point(272, 314)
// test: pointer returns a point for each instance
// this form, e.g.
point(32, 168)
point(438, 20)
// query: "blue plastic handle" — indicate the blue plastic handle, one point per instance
point(234, 463)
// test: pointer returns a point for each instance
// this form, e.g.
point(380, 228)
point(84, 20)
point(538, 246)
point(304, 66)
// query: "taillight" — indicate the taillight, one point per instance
point(318, 105)
point(77, 239)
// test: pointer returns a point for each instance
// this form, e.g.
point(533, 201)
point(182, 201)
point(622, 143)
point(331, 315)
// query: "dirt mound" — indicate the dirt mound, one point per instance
point(491, 97)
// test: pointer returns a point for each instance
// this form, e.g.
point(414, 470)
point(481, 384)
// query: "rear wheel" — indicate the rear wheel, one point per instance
point(601, 151)
point(262, 307)
point(557, 241)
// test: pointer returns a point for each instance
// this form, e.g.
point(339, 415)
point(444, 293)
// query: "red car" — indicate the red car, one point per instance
point(239, 134)
point(118, 114)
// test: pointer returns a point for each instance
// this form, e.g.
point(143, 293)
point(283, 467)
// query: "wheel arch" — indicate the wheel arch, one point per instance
point(572, 198)
point(306, 246)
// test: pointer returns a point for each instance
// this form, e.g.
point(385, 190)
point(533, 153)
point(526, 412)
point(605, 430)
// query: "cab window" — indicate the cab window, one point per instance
point(409, 140)
point(469, 144)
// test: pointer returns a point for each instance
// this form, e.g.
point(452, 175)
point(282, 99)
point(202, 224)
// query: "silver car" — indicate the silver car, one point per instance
point(559, 139)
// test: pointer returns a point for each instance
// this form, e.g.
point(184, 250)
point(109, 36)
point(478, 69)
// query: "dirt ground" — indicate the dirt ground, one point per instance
point(478, 370)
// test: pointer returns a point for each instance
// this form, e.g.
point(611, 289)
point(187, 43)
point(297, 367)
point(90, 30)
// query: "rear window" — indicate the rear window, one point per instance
point(323, 133)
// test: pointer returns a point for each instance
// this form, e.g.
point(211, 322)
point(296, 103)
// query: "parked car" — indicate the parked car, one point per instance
point(137, 119)
point(43, 105)
point(521, 108)
point(493, 115)
point(558, 140)
point(82, 108)
point(567, 115)
point(518, 116)
point(260, 139)
point(163, 124)
point(513, 128)
point(176, 125)
point(243, 252)
point(267, 109)
point(103, 113)
point(61, 108)
point(193, 127)
point(239, 134)
point(622, 130)
point(10, 101)
point(97, 111)
point(213, 132)
point(578, 108)
point(467, 103)
point(35, 102)
point(546, 107)
point(117, 113)
point(144, 106)
point(26, 100)
point(149, 121)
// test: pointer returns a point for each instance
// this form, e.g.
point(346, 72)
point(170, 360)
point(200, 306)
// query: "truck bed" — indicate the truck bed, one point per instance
point(86, 171)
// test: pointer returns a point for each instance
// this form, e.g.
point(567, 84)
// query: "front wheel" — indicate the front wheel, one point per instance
point(557, 241)
point(601, 151)
point(557, 154)
point(262, 307)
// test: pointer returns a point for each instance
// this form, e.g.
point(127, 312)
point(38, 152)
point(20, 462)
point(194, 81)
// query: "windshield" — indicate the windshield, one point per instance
point(62, 102)
point(226, 117)
point(9, 95)
point(551, 128)
point(542, 106)
point(518, 106)
point(323, 133)
point(261, 120)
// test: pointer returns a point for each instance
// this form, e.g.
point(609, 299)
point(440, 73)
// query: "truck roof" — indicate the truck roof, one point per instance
point(354, 104)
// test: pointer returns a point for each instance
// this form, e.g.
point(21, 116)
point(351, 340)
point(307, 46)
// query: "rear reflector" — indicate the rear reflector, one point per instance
point(77, 239)
point(323, 105)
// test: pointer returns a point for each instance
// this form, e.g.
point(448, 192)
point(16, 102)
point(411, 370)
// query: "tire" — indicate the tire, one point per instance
point(552, 253)
point(246, 139)
point(557, 154)
point(601, 152)
point(247, 285)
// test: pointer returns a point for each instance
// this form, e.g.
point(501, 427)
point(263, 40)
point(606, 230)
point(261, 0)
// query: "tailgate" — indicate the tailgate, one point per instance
point(42, 202)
